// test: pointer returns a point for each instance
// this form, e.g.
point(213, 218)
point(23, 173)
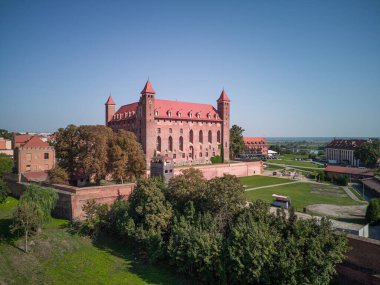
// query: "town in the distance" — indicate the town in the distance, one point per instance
point(176, 179)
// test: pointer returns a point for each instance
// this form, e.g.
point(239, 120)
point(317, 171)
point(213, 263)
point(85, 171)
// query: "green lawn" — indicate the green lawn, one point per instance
point(273, 167)
point(293, 156)
point(295, 163)
point(60, 257)
point(304, 194)
point(257, 181)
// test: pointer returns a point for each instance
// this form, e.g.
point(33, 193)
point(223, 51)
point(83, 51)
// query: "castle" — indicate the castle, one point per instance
point(188, 133)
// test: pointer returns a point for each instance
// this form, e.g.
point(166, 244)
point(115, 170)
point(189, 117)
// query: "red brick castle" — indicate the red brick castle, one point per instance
point(189, 133)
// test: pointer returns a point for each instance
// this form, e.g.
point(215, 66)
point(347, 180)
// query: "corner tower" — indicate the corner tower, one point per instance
point(147, 124)
point(224, 113)
point(110, 109)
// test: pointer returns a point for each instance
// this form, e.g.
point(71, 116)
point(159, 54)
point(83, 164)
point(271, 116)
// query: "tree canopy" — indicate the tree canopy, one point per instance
point(368, 152)
point(6, 164)
point(236, 140)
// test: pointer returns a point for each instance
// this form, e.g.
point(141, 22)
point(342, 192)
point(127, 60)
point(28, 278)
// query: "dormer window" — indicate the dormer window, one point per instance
point(216, 116)
point(209, 115)
point(169, 113)
point(156, 113)
point(190, 114)
point(198, 115)
point(179, 114)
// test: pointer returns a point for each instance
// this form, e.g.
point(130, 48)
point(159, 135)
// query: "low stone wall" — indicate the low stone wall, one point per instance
point(218, 170)
point(362, 265)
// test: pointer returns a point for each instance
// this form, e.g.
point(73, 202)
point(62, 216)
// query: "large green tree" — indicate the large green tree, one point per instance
point(373, 211)
point(368, 152)
point(6, 164)
point(236, 140)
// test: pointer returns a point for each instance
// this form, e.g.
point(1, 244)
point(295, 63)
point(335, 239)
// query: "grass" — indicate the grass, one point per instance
point(273, 167)
point(257, 181)
point(296, 163)
point(304, 194)
point(60, 257)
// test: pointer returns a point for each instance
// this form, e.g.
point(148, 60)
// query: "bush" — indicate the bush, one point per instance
point(341, 180)
point(6, 164)
point(216, 159)
point(373, 211)
point(58, 175)
point(3, 191)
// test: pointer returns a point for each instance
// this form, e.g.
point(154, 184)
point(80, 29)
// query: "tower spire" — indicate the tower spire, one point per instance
point(148, 88)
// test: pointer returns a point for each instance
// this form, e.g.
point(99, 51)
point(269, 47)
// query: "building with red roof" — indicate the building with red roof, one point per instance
point(188, 133)
point(256, 145)
point(341, 151)
point(33, 157)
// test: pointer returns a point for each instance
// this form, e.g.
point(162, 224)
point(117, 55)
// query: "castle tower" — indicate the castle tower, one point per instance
point(110, 109)
point(147, 125)
point(224, 113)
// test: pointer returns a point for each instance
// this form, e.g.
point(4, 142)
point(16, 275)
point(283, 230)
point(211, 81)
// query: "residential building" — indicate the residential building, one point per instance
point(6, 146)
point(188, 133)
point(341, 151)
point(256, 145)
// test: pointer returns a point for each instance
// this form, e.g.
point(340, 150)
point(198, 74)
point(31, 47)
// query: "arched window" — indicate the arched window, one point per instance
point(218, 136)
point(191, 136)
point(181, 143)
point(170, 144)
point(209, 136)
point(200, 136)
point(158, 145)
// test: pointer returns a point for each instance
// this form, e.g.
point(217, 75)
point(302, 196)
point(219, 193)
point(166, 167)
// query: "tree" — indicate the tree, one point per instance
point(42, 200)
point(6, 164)
point(25, 220)
point(236, 140)
point(58, 175)
point(368, 152)
point(3, 191)
point(373, 211)
point(188, 186)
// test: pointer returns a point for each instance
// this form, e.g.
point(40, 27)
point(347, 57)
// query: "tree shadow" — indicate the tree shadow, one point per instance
point(150, 273)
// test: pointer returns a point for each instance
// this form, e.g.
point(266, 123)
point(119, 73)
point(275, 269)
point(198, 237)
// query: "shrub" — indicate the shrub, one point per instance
point(58, 175)
point(341, 180)
point(216, 159)
point(3, 191)
point(373, 211)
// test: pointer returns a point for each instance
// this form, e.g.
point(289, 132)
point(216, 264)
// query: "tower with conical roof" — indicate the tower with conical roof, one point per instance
point(224, 113)
point(147, 123)
point(110, 109)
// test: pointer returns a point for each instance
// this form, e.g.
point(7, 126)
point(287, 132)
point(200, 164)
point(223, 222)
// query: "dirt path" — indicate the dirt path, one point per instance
point(347, 212)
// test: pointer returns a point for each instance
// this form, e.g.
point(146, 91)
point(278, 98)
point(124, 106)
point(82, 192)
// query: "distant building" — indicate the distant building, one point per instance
point(256, 146)
point(342, 151)
point(33, 157)
point(162, 167)
point(6, 146)
point(272, 153)
point(189, 133)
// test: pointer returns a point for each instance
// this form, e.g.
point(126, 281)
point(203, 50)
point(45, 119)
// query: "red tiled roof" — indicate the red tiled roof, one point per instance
point(148, 88)
point(110, 101)
point(254, 140)
point(349, 170)
point(125, 112)
point(168, 109)
point(36, 141)
point(345, 144)
point(22, 138)
point(223, 97)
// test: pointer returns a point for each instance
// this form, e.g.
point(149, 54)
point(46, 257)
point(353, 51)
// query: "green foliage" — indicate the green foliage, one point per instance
point(43, 200)
point(7, 135)
point(368, 153)
point(58, 175)
point(236, 140)
point(97, 151)
point(6, 164)
point(216, 159)
point(95, 217)
point(196, 247)
point(373, 211)
point(3, 191)
point(341, 180)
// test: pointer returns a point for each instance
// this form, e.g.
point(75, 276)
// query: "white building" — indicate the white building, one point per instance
point(342, 151)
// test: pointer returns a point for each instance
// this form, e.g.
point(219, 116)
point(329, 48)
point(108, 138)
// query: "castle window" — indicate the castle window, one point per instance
point(158, 145)
point(181, 143)
point(170, 130)
point(191, 136)
point(209, 136)
point(200, 136)
point(174, 156)
point(46, 155)
point(159, 130)
point(170, 144)
point(200, 154)
point(181, 131)
point(218, 136)
point(206, 153)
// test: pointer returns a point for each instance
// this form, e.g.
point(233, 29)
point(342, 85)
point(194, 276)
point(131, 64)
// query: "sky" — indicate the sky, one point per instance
point(290, 68)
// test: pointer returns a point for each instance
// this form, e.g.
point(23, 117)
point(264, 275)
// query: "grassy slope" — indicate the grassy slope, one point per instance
point(59, 257)
point(257, 181)
point(301, 195)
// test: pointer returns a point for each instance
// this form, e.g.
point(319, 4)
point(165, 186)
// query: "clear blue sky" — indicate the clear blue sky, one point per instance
point(291, 68)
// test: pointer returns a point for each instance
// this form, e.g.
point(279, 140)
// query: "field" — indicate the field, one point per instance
point(304, 194)
point(295, 163)
point(60, 257)
point(257, 181)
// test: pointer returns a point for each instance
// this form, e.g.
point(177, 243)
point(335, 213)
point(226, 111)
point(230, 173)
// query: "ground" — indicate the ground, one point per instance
point(302, 194)
point(60, 257)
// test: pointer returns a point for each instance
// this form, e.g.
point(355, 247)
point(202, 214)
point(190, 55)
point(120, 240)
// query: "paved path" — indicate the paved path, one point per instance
point(350, 194)
point(270, 186)
point(293, 166)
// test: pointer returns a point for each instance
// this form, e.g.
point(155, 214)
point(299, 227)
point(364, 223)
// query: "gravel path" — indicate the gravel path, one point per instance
point(348, 212)
point(270, 186)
